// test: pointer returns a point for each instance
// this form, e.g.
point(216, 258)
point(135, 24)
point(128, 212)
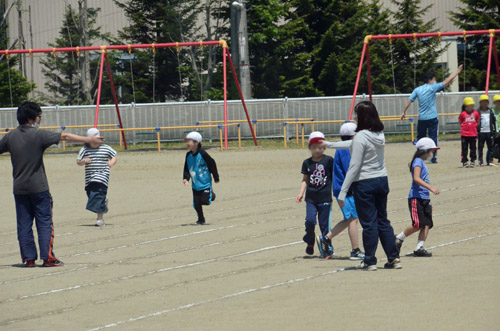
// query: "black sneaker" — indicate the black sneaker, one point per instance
point(465, 164)
point(399, 244)
point(310, 250)
point(200, 222)
point(422, 252)
point(394, 264)
point(325, 247)
point(480, 163)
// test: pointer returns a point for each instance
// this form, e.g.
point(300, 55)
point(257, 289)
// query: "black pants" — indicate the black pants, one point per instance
point(201, 198)
point(469, 143)
point(485, 137)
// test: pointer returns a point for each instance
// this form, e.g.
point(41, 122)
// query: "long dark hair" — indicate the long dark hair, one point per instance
point(418, 153)
point(368, 118)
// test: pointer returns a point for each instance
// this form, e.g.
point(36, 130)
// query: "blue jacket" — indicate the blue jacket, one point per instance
point(340, 166)
point(199, 167)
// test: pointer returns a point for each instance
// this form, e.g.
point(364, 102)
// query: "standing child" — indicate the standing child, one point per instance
point(418, 200)
point(98, 159)
point(496, 135)
point(199, 167)
point(340, 166)
point(468, 120)
point(487, 129)
point(317, 185)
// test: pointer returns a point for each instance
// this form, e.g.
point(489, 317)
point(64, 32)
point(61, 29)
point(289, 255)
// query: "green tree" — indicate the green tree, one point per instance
point(169, 70)
point(63, 70)
point(14, 88)
point(414, 58)
point(477, 15)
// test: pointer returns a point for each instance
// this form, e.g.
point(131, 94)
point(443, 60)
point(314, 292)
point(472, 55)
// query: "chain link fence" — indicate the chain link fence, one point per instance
point(190, 113)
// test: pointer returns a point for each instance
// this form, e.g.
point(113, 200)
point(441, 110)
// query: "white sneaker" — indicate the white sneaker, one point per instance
point(367, 267)
point(99, 223)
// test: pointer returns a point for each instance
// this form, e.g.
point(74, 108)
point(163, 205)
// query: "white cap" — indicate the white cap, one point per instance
point(195, 136)
point(316, 137)
point(426, 144)
point(348, 129)
point(93, 132)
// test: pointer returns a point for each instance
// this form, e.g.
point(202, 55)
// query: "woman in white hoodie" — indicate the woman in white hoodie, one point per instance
point(367, 178)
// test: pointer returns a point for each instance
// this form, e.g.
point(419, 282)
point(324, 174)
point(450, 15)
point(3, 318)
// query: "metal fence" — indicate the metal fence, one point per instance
point(189, 113)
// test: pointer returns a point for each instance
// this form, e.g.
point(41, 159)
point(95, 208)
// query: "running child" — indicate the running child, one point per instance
point(340, 166)
point(419, 201)
point(98, 159)
point(468, 120)
point(317, 185)
point(487, 130)
point(199, 167)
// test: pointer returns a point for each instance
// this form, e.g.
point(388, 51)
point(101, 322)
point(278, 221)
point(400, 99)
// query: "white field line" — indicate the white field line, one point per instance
point(217, 276)
point(202, 246)
point(255, 205)
point(264, 288)
point(189, 265)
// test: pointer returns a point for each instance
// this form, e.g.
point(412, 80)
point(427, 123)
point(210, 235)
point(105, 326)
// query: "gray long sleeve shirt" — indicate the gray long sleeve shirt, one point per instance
point(367, 158)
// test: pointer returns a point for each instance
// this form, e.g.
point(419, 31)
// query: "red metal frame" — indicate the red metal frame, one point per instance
point(366, 53)
point(130, 47)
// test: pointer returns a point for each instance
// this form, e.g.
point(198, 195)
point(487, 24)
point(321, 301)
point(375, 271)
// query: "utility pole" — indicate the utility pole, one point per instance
point(22, 42)
point(84, 40)
point(239, 38)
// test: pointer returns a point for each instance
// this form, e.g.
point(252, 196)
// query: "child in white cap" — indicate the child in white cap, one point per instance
point(199, 167)
point(316, 183)
point(419, 201)
point(350, 221)
point(98, 159)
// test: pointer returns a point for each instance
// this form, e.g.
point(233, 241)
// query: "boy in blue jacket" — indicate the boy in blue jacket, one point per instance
point(199, 167)
point(340, 166)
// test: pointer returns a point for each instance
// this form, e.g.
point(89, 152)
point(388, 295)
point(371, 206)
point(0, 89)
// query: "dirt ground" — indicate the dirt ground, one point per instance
point(151, 269)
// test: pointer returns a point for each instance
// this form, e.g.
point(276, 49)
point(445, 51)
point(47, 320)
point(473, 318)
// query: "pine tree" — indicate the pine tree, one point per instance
point(12, 83)
point(62, 70)
point(477, 15)
point(169, 70)
point(414, 58)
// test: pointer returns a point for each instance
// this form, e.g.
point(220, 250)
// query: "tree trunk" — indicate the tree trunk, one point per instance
point(85, 63)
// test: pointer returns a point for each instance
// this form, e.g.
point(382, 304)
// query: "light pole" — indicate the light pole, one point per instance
point(239, 38)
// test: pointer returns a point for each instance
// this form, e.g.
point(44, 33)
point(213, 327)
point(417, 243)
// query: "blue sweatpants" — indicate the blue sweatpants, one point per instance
point(322, 212)
point(38, 207)
point(370, 196)
point(431, 127)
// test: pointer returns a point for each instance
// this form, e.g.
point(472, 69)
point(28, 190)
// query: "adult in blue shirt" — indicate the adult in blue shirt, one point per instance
point(428, 122)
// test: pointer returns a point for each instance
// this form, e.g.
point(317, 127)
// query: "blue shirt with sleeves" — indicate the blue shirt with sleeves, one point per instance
point(340, 166)
point(200, 167)
point(426, 95)
point(416, 190)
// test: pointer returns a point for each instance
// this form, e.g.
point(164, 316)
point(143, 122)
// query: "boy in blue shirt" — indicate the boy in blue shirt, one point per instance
point(340, 166)
point(199, 167)
point(317, 185)
point(419, 201)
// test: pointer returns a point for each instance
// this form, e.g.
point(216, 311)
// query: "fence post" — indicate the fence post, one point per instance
point(284, 134)
point(255, 127)
point(412, 125)
point(158, 138)
point(303, 143)
point(297, 131)
point(64, 141)
point(120, 137)
point(285, 101)
point(220, 137)
point(239, 135)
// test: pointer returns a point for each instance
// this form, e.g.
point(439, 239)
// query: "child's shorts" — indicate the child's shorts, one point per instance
point(421, 213)
point(96, 192)
point(204, 197)
point(349, 210)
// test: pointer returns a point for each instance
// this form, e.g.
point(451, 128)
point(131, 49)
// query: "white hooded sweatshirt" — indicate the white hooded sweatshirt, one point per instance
point(367, 158)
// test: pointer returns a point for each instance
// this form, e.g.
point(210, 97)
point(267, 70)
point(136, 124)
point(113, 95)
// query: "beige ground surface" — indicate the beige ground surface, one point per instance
point(150, 269)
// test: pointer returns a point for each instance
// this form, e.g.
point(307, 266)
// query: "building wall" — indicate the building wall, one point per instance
point(46, 21)
point(440, 11)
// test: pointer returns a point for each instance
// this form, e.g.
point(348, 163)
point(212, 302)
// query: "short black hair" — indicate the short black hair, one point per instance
point(28, 111)
point(428, 77)
point(368, 118)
